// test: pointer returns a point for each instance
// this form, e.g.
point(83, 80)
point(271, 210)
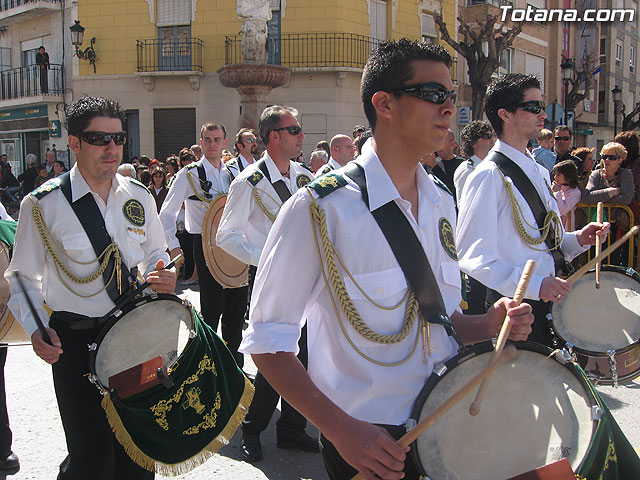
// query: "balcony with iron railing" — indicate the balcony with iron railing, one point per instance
point(169, 56)
point(31, 81)
point(309, 50)
point(14, 11)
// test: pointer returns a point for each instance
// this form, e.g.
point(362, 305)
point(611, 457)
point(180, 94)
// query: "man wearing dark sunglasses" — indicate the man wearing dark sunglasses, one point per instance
point(246, 144)
point(563, 141)
point(504, 191)
point(82, 212)
point(255, 199)
point(361, 386)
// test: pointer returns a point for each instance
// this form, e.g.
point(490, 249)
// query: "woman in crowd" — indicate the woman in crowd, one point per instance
point(158, 186)
point(586, 155)
point(565, 189)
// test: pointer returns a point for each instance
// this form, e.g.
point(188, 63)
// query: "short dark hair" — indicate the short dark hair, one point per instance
point(629, 140)
point(212, 126)
point(240, 133)
point(81, 112)
point(507, 91)
point(61, 163)
point(270, 120)
point(471, 133)
point(390, 66)
point(324, 145)
point(362, 139)
point(561, 128)
point(186, 154)
point(570, 171)
point(358, 130)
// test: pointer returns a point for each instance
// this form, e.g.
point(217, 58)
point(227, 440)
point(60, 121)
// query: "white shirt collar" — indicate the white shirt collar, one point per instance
point(79, 186)
point(244, 160)
point(273, 170)
point(208, 167)
point(476, 159)
point(334, 163)
point(524, 161)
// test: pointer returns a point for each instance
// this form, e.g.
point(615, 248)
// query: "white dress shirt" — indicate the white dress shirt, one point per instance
point(195, 210)
point(462, 172)
point(244, 227)
point(290, 288)
point(3, 213)
point(233, 167)
point(327, 167)
point(140, 246)
point(489, 247)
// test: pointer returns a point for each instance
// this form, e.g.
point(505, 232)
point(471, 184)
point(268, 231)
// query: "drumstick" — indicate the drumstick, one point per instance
point(171, 264)
point(598, 245)
point(521, 289)
point(406, 440)
point(41, 327)
point(608, 251)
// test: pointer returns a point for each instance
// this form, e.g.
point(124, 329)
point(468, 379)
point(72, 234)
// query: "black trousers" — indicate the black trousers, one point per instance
point(540, 330)
point(291, 423)
point(186, 244)
point(215, 300)
point(5, 431)
point(93, 450)
point(476, 297)
point(339, 469)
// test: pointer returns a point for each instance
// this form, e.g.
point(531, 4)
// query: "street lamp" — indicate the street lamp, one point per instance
point(77, 35)
point(617, 94)
point(567, 73)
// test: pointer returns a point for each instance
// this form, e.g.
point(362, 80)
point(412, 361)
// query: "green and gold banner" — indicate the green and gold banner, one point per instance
point(173, 430)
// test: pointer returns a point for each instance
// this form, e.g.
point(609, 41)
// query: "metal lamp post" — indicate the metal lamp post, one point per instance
point(567, 73)
point(617, 94)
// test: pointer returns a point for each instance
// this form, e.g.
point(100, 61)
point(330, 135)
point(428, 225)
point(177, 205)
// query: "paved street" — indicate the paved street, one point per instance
point(39, 439)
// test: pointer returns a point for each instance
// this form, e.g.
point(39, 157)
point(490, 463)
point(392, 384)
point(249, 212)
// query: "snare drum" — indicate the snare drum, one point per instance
point(174, 425)
point(602, 326)
point(536, 411)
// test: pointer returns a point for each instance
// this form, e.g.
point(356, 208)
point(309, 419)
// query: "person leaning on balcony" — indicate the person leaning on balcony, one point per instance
point(42, 60)
point(610, 183)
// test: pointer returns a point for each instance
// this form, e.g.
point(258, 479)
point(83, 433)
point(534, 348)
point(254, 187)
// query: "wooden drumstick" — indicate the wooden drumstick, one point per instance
point(607, 251)
point(521, 289)
point(598, 244)
point(409, 437)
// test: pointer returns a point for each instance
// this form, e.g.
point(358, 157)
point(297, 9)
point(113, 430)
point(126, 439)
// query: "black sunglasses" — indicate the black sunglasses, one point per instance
point(533, 106)
point(562, 138)
point(293, 129)
point(100, 139)
point(609, 157)
point(250, 140)
point(429, 92)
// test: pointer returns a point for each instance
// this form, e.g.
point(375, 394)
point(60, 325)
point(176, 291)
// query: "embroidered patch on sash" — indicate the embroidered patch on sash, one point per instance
point(327, 183)
point(134, 212)
point(254, 178)
point(302, 180)
point(446, 238)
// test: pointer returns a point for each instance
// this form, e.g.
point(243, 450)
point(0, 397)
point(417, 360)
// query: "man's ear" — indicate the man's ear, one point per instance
point(505, 115)
point(383, 103)
point(74, 143)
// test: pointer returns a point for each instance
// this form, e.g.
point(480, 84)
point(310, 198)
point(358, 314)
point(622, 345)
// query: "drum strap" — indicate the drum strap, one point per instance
point(532, 197)
point(92, 222)
point(280, 187)
point(409, 253)
point(204, 183)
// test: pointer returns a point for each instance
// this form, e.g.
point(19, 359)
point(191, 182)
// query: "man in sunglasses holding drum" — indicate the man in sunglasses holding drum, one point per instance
point(497, 229)
point(81, 238)
point(370, 352)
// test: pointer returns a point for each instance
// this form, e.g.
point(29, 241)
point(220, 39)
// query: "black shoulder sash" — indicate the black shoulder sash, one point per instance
point(409, 253)
point(510, 169)
point(92, 222)
point(279, 186)
point(204, 183)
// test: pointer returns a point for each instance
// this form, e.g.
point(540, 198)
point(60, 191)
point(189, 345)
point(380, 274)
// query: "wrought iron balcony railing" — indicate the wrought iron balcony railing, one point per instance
point(31, 81)
point(309, 50)
point(9, 4)
point(169, 56)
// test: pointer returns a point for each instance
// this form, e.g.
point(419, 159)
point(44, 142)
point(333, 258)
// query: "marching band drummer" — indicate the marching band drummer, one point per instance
point(370, 373)
point(77, 237)
point(196, 186)
point(254, 200)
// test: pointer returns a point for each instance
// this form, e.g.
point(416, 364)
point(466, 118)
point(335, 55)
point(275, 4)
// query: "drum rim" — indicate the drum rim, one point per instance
point(629, 272)
point(115, 317)
point(472, 351)
point(206, 240)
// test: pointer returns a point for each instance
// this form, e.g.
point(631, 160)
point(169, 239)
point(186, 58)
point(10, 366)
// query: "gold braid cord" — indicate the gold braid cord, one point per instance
point(262, 206)
point(195, 190)
point(103, 259)
point(551, 221)
point(335, 284)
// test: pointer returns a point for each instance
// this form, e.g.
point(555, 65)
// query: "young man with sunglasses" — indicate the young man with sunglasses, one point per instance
point(57, 257)
point(254, 202)
point(496, 197)
point(562, 147)
point(246, 144)
point(360, 373)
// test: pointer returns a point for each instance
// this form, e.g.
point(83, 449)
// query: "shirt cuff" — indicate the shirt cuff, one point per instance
point(533, 290)
point(571, 245)
point(270, 338)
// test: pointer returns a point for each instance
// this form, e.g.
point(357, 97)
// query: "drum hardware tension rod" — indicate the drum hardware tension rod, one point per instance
point(36, 317)
point(599, 218)
point(409, 437)
point(521, 289)
point(608, 251)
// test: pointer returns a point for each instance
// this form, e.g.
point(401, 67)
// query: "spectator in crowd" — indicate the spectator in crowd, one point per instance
point(8, 180)
point(342, 151)
point(197, 151)
point(42, 177)
point(629, 140)
point(172, 168)
point(145, 178)
point(433, 165)
point(158, 186)
point(566, 191)
point(226, 156)
point(362, 139)
point(127, 170)
point(50, 158)
point(187, 156)
point(449, 161)
point(359, 130)
point(28, 177)
point(318, 159)
point(42, 60)
point(562, 146)
point(139, 170)
point(59, 168)
point(144, 160)
point(544, 154)
point(586, 155)
point(324, 145)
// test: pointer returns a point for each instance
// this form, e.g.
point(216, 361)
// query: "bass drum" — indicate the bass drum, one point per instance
point(11, 332)
point(226, 269)
point(536, 411)
point(602, 325)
